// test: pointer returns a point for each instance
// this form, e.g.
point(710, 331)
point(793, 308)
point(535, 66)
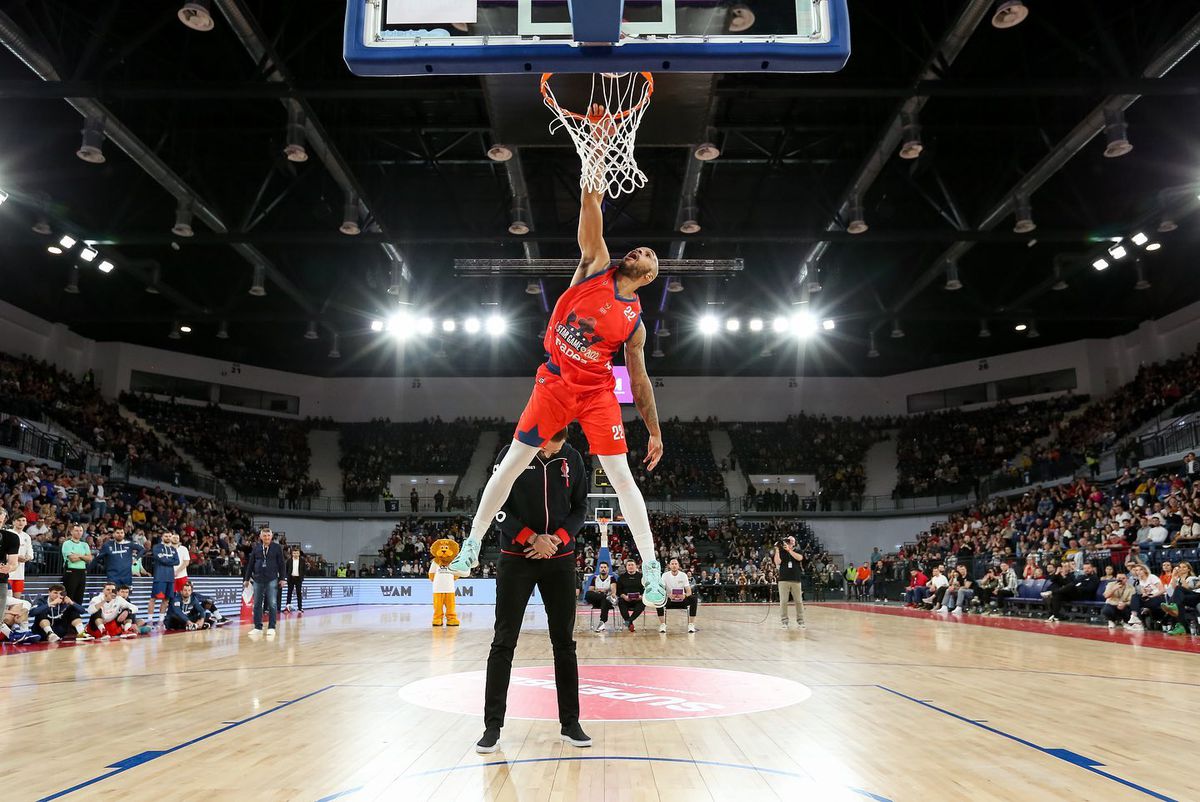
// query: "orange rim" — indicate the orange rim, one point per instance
point(620, 115)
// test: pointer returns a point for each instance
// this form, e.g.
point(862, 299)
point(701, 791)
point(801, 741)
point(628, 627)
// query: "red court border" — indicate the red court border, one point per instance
point(1062, 629)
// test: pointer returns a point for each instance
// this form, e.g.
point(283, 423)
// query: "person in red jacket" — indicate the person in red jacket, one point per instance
point(914, 594)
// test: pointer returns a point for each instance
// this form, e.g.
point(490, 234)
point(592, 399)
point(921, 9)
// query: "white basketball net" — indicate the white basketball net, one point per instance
point(605, 142)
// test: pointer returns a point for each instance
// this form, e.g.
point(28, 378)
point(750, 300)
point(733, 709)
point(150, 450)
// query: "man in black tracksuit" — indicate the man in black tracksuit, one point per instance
point(538, 526)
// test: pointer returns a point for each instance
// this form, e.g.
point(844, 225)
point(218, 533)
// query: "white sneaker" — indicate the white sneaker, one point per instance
point(254, 634)
point(271, 632)
point(52, 638)
point(662, 629)
point(942, 609)
point(104, 637)
point(1052, 618)
point(1112, 624)
point(84, 637)
point(691, 629)
point(1134, 625)
point(601, 627)
point(957, 611)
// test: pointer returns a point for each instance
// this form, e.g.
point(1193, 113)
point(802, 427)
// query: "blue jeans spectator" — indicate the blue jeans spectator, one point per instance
point(915, 595)
point(960, 599)
point(266, 593)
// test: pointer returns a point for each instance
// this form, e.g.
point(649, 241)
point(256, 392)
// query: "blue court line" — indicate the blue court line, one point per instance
point(629, 758)
point(1075, 759)
point(134, 761)
point(341, 794)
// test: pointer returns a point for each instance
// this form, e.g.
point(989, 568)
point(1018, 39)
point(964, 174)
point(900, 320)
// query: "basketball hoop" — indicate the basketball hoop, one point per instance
point(602, 525)
point(605, 142)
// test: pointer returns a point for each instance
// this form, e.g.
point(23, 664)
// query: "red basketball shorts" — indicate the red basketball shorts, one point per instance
point(554, 404)
point(180, 581)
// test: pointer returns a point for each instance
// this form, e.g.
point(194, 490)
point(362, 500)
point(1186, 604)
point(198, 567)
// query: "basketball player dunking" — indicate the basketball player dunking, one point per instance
point(599, 313)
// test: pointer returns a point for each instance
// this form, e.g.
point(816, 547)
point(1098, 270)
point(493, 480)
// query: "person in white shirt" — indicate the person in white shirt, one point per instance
point(296, 571)
point(679, 596)
point(1148, 598)
point(938, 584)
point(16, 579)
point(1157, 534)
point(181, 574)
point(110, 615)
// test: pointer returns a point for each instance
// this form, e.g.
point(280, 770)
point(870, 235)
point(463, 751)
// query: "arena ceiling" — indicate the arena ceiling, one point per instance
point(1002, 114)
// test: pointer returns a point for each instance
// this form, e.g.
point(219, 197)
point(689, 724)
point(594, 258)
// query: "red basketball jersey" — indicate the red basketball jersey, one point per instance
point(588, 324)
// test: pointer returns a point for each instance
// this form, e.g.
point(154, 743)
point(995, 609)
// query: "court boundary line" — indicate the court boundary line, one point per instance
point(1065, 755)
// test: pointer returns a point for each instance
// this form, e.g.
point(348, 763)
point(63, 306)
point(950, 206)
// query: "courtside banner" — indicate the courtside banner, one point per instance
point(420, 591)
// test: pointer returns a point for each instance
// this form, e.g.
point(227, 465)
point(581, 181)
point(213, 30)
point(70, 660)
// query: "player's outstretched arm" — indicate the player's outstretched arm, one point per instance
point(593, 252)
point(643, 394)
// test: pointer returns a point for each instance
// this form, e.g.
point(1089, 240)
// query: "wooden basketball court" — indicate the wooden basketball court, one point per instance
point(890, 708)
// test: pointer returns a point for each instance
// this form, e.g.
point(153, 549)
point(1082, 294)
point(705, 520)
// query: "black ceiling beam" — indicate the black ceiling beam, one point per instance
point(325, 238)
point(414, 90)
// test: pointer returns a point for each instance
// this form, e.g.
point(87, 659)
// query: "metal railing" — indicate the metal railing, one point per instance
point(1184, 435)
point(21, 435)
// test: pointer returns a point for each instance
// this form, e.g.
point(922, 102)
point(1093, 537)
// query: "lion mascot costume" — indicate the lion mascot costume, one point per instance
point(444, 551)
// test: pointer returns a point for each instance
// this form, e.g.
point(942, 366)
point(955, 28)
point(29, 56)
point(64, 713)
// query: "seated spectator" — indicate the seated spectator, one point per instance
point(918, 587)
point(140, 625)
point(863, 582)
point(110, 615)
point(629, 594)
point(1185, 597)
point(1079, 587)
point(1118, 598)
point(14, 621)
point(679, 596)
point(939, 583)
point(186, 611)
point(56, 617)
point(1007, 587)
point(1147, 602)
point(600, 594)
point(1156, 535)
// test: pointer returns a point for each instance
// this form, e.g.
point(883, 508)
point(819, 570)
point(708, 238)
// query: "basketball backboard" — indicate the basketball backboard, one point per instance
point(490, 37)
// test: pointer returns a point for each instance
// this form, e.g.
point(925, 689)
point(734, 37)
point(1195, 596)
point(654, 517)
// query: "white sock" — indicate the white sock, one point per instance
point(499, 485)
point(633, 506)
point(78, 626)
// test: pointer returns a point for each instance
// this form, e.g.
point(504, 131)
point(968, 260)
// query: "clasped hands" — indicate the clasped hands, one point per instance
point(539, 547)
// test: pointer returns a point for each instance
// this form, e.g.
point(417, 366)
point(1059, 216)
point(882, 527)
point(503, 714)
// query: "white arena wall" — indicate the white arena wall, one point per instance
point(1101, 366)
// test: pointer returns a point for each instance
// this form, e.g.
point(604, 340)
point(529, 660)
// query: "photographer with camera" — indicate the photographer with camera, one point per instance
point(790, 564)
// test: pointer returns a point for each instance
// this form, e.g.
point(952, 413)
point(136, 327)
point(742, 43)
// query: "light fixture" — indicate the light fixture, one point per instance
point(706, 152)
point(657, 353)
point(173, 334)
point(376, 325)
point(664, 328)
point(185, 329)
point(54, 249)
point(349, 225)
point(533, 287)
point(334, 347)
point(520, 217)
point(1100, 264)
point(500, 153)
point(471, 325)
point(1024, 216)
point(3, 196)
point(910, 136)
point(399, 325)
point(1020, 327)
point(294, 148)
point(741, 18)
point(1009, 13)
point(425, 325)
point(1139, 239)
point(984, 331)
point(1060, 283)
point(183, 219)
point(72, 287)
point(856, 225)
point(804, 324)
point(223, 330)
point(674, 284)
point(897, 332)
point(311, 332)
point(88, 254)
point(952, 281)
point(495, 325)
point(733, 324)
point(872, 351)
point(690, 219)
point(779, 325)
point(155, 278)
point(1142, 283)
point(756, 324)
point(91, 149)
point(42, 226)
point(1032, 333)
point(258, 284)
point(196, 15)
point(829, 324)
point(105, 266)
point(802, 295)
point(1118, 251)
point(1154, 246)
point(1165, 225)
point(814, 284)
point(1116, 132)
point(67, 242)
point(448, 325)
point(708, 325)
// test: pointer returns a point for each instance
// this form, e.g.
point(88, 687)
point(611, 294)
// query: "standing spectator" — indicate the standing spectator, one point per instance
point(99, 500)
point(10, 548)
point(790, 564)
point(118, 555)
point(438, 500)
point(185, 557)
point(414, 500)
point(165, 559)
point(16, 579)
point(264, 568)
point(76, 556)
point(296, 571)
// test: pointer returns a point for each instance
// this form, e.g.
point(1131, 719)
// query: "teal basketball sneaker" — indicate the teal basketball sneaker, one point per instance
point(468, 557)
point(653, 594)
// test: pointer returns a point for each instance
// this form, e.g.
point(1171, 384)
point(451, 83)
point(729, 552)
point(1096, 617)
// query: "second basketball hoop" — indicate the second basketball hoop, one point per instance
point(605, 142)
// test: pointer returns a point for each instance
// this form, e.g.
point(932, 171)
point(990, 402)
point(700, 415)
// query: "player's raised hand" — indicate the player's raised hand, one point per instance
point(605, 127)
point(654, 452)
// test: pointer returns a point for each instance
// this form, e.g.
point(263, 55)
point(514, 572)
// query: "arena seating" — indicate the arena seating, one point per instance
point(372, 452)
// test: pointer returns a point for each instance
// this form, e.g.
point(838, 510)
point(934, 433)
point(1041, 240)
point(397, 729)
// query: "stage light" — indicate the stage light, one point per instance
point(335, 351)
point(1020, 327)
point(223, 330)
point(897, 332)
point(829, 324)
point(294, 148)
point(499, 153)
point(72, 287)
point(54, 249)
point(311, 332)
point(706, 152)
point(953, 282)
point(91, 150)
point(910, 137)
point(533, 287)
point(1154, 246)
point(1139, 239)
point(105, 266)
point(872, 351)
point(733, 324)
point(471, 325)
point(376, 325)
point(67, 242)
point(708, 325)
point(349, 225)
point(448, 325)
point(674, 284)
point(425, 325)
point(1143, 283)
point(1023, 216)
point(398, 325)
point(1009, 14)
point(258, 284)
point(495, 325)
point(1033, 332)
point(88, 254)
point(984, 331)
point(1100, 264)
point(1116, 132)
point(756, 324)
point(183, 219)
point(186, 329)
point(1118, 251)
point(858, 223)
point(196, 15)
point(42, 226)
point(804, 324)
point(741, 18)
point(779, 325)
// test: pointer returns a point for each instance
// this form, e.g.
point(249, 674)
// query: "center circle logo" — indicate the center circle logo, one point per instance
point(616, 693)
